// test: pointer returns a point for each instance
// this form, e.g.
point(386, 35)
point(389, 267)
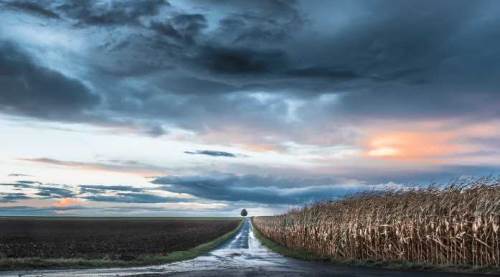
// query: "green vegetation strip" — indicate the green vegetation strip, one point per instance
point(304, 255)
point(38, 263)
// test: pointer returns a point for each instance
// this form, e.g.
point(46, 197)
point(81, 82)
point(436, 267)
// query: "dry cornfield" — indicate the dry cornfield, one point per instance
point(457, 225)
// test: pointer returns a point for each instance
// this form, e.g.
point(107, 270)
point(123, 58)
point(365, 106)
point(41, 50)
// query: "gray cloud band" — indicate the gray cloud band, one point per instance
point(191, 66)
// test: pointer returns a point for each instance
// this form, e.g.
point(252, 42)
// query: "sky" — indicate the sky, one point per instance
point(205, 107)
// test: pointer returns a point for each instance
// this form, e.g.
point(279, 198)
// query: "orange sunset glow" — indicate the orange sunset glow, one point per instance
point(67, 202)
point(414, 146)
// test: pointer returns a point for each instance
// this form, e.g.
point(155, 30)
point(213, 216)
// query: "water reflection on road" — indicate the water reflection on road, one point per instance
point(241, 256)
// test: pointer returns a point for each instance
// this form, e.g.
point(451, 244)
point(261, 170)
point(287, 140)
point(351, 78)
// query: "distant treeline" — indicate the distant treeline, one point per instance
point(457, 225)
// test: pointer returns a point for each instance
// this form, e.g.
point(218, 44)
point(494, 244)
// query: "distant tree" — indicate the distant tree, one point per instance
point(244, 212)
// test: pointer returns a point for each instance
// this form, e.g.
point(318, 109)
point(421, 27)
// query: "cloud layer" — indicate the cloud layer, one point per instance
point(265, 190)
point(293, 101)
point(413, 60)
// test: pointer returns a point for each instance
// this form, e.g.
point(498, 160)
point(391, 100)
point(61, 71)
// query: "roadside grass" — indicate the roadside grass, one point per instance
point(144, 260)
point(403, 265)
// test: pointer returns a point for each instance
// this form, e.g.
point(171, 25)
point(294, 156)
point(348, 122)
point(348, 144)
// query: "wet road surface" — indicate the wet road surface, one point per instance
point(243, 255)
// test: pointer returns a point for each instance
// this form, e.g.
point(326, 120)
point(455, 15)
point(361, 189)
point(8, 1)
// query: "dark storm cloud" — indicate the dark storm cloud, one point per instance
point(440, 175)
point(32, 7)
point(132, 198)
point(104, 188)
point(111, 165)
point(212, 153)
point(322, 72)
point(45, 191)
point(241, 61)
point(252, 28)
point(19, 185)
point(54, 191)
point(112, 12)
point(22, 184)
point(195, 66)
point(26, 182)
point(253, 188)
point(183, 27)
point(276, 190)
point(387, 62)
point(98, 193)
point(190, 24)
point(194, 86)
point(272, 24)
point(12, 197)
point(420, 58)
point(156, 131)
point(30, 89)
